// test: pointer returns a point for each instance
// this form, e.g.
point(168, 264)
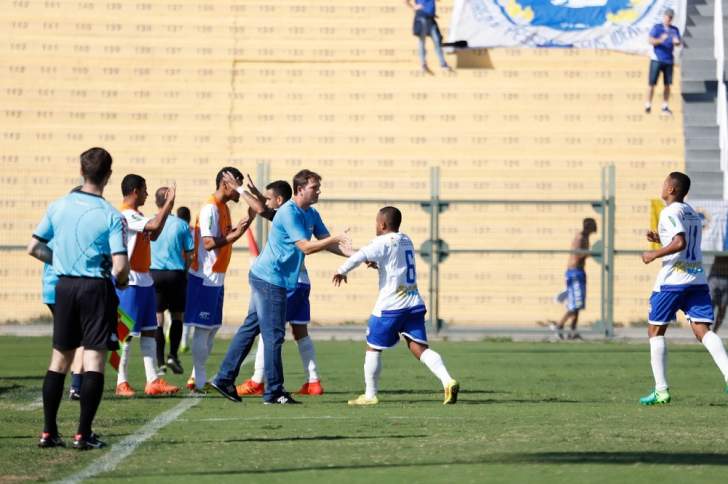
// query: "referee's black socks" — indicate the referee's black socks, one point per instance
point(52, 396)
point(159, 337)
point(175, 337)
point(92, 388)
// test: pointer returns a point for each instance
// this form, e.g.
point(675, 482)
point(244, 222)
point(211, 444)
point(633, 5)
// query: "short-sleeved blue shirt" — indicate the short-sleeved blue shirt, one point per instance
point(664, 52)
point(50, 279)
point(86, 231)
point(280, 261)
point(169, 248)
point(428, 7)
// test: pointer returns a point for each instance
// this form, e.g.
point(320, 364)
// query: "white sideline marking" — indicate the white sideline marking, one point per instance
point(120, 451)
point(327, 417)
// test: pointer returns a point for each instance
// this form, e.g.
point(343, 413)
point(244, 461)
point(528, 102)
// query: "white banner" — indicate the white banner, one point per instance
point(714, 214)
point(621, 25)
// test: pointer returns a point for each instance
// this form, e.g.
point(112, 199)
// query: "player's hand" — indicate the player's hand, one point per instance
point(664, 37)
point(338, 278)
point(238, 230)
point(251, 186)
point(230, 180)
point(648, 256)
point(171, 193)
point(652, 236)
point(372, 264)
point(343, 238)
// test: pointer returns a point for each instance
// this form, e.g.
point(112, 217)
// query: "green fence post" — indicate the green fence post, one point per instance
point(435, 245)
point(609, 262)
point(262, 173)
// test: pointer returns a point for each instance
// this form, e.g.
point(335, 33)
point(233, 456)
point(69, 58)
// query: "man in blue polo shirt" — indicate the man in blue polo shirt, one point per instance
point(89, 249)
point(274, 273)
point(171, 257)
point(664, 38)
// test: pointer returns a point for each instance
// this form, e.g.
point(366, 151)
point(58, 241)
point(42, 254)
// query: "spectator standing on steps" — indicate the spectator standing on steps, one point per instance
point(425, 25)
point(664, 38)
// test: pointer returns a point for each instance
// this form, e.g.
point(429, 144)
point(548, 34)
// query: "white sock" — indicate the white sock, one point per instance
point(372, 369)
point(658, 360)
point(186, 332)
point(123, 375)
point(259, 370)
point(648, 104)
point(714, 345)
point(149, 355)
point(308, 358)
point(199, 356)
point(434, 362)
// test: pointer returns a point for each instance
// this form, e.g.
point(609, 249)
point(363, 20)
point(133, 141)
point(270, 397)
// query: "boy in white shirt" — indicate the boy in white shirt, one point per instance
point(399, 309)
point(680, 284)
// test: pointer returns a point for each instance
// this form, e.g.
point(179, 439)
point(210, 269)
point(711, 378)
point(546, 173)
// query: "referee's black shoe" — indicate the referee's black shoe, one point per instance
point(86, 443)
point(47, 440)
point(174, 365)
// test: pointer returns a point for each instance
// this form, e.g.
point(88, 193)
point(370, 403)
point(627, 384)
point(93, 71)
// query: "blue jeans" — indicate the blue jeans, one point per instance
point(438, 48)
point(266, 316)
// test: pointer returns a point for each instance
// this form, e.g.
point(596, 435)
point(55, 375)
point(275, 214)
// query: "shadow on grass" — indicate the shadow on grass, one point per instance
point(23, 377)
point(9, 388)
point(295, 439)
point(547, 458)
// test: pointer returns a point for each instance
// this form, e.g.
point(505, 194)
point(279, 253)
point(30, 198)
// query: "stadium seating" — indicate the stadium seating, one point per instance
point(176, 90)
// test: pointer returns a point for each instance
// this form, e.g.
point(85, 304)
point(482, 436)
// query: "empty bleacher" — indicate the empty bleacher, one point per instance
point(177, 89)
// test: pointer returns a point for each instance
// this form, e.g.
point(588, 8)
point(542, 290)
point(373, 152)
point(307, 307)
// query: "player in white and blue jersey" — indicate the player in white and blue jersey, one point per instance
point(680, 285)
point(89, 251)
point(399, 310)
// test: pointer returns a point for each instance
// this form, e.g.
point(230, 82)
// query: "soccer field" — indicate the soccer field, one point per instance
point(528, 412)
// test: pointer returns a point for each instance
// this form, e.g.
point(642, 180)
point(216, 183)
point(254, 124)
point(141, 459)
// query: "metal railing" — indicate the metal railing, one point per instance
point(435, 250)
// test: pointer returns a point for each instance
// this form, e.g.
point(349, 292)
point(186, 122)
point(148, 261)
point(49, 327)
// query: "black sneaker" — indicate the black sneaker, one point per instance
point(90, 442)
point(47, 441)
point(227, 390)
point(665, 111)
point(162, 370)
point(648, 108)
point(174, 365)
point(74, 394)
point(285, 399)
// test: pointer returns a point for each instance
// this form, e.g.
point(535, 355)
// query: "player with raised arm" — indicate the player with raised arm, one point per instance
point(138, 300)
point(214, 239)
point(399, 309)
point(680, 284)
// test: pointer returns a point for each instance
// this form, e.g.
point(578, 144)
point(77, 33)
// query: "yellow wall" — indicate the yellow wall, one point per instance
point(176, 90)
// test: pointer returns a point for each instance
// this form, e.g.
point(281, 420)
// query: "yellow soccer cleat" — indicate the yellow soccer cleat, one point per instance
point(363, 400)
point(451, 393)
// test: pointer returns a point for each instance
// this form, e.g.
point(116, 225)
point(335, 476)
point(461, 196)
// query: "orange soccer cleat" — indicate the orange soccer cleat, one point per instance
point(160, 387)
point(124, 390)
point(311, 388)
point(191, 383)
point(250, 388)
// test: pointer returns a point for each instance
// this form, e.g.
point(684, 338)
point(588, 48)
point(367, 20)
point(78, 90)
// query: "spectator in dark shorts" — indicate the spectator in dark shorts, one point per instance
point(171, 257)
point(89, 256)
point(664, 38)
point(425, 25)
point(718, 284)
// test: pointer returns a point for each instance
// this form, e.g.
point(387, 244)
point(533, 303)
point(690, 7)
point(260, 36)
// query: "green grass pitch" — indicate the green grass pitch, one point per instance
point(528, 412)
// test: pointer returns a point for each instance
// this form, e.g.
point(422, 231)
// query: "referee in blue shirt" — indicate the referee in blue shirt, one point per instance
point(171, 257)
point(89, 249)
point(664, 38)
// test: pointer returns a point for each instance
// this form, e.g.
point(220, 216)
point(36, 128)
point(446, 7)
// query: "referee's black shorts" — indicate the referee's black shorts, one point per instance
point(85, 313)
point(171, 288)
